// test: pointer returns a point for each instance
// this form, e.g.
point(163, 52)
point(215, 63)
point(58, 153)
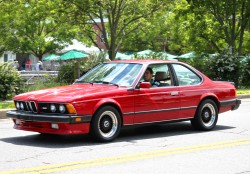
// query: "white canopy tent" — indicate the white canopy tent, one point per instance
point(79, 46)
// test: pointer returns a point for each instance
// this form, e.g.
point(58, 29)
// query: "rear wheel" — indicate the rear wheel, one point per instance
point(206, 116)
point(106, 124)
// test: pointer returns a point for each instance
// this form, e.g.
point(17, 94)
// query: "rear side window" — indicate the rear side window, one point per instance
point(185, 76)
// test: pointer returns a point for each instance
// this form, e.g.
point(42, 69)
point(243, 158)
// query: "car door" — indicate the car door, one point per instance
point(156, 104)
point(190, 89)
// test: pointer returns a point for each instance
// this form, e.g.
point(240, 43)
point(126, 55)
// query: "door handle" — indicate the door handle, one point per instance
point(174, 93)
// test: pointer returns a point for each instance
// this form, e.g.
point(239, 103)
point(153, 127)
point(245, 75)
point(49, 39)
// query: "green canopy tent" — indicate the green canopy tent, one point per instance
point(187, 55)
point(118, 56)
point(166, 56)
point(140, 54)
point(145, 53)
point(122, 56)
point(51, 57)
point(245, 59)
point(73, 54)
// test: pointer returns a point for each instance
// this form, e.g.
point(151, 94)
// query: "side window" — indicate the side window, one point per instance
point(160, 77)
point(185, 76)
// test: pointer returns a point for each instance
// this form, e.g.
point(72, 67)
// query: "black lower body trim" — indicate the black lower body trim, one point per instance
point(29, 116)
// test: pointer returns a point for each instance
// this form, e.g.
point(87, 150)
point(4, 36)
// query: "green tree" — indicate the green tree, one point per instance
point(35, 27)
point(118, 19)
point(231, 17)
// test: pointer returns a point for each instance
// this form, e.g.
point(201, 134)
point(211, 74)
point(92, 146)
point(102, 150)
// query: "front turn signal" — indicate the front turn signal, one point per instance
point(71, 109)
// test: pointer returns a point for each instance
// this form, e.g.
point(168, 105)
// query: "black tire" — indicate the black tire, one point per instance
point(106, 124)
point(206, 116)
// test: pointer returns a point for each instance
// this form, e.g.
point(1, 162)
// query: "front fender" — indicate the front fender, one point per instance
point(105, 101)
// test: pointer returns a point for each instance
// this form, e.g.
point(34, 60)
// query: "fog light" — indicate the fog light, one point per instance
point(54, 126)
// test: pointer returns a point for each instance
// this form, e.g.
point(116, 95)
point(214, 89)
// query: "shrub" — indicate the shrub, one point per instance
point(46, 82)
point(10, 81)
point(203, 63)
point(245, 82)
point(224, 67)
point(66, 73)
point(227, 68)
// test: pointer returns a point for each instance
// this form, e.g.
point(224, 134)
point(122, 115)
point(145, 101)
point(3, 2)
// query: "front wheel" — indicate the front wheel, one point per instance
point(206, 116)
point(106, 124)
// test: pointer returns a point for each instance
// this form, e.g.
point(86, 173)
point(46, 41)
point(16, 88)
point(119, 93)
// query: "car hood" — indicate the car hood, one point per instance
point(66, 93)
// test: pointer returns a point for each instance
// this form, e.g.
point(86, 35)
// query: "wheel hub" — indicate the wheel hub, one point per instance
point(206, 115)
point(106, 124)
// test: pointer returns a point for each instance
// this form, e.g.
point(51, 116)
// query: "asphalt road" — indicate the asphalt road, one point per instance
point(171, 148)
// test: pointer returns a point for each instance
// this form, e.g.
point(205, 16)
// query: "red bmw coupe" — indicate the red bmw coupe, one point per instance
point(114, 95)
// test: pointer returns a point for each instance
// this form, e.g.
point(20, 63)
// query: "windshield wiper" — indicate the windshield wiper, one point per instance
point(110, 83)
point(83, 82)
point(105, 82)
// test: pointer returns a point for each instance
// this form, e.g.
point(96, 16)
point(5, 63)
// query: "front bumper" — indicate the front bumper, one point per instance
point(29, 116)
point(67, 124)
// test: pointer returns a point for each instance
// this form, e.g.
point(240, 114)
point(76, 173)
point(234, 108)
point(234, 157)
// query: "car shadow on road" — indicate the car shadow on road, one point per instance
point(130, 134)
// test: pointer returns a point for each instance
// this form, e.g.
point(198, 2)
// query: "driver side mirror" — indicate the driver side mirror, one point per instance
point(144, 85)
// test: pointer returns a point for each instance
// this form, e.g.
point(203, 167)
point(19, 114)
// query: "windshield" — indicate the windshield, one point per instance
point(122, 74)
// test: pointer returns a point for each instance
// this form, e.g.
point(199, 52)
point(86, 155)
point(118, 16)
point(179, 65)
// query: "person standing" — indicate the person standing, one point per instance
point(16, 64)
point(39, 66)
point(28, 65)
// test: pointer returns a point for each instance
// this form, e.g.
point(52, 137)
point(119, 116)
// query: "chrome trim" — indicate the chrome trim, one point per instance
point(160, 110)
point(32, 106)
point(28, 105)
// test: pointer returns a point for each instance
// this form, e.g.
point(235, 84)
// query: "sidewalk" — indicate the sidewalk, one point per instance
point(3, 111)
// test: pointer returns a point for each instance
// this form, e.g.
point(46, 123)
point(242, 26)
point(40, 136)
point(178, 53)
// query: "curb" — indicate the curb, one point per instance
point(242, 96)
point(3, 111)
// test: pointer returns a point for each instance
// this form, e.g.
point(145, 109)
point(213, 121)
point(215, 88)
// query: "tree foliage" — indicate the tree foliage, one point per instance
point(178, 27)
point(118, 19)
point(229, 22)
point(35, 27)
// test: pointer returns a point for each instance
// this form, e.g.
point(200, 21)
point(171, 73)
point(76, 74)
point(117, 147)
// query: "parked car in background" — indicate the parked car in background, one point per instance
point(114, 95)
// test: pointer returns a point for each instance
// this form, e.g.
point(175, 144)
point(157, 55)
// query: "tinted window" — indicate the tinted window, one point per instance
point(185, 76)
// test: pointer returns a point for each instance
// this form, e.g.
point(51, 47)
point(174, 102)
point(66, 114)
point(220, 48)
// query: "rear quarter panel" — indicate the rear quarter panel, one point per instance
point(191, 96)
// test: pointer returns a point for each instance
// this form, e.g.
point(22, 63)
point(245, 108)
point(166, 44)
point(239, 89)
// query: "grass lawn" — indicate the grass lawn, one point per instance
point(243, 91)
point(6, 104)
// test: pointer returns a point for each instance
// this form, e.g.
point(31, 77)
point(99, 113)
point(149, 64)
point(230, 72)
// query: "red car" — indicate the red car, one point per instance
point(114, 95)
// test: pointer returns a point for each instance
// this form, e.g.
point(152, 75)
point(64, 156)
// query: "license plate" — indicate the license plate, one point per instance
point(18, 122)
